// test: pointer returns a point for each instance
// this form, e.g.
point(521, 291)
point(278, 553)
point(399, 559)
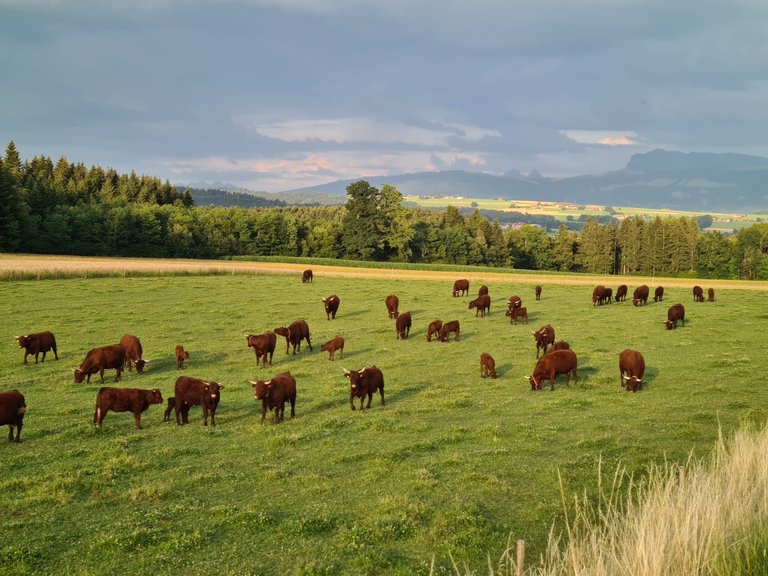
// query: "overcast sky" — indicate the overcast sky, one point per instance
point(279, 94)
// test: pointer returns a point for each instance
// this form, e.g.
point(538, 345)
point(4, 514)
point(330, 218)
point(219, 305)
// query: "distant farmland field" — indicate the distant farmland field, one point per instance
point(449, 468)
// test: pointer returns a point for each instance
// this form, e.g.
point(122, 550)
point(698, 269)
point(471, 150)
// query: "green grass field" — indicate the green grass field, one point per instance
point(446, 471)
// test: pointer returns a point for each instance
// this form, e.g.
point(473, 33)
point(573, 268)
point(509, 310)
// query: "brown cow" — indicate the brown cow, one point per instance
point(487, 366)
point(263, 346)
point(100, 359)
point(698, 294)
point(365, 382)
point(514, 302)
point(190, 392)
point(181, 355)
point(294, 334)
point(537, 292)
point(460, 287)
point(560, 345)
point(658, 294)
point(676, 312)
point(133, 353)
point(332, 345)
point(551, 365)
point(607, 296)
point(124, 400)
point(306, 276)
point(482, 305)
point(36, 343)
point(640, 295)
point(710, 295)
point(515, 313)
point(447, 328)
point(631, 369)
point(621, 293)
point(392, 303)
point(544, 336)
point(403, 325)
point(434, 329)
point(598, 295)
point(483, 290)
point(12, 410)
point(331, 305)
point(274, 393)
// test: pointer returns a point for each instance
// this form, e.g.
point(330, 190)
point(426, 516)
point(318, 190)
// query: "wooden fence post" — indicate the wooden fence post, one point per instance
point(520, 557)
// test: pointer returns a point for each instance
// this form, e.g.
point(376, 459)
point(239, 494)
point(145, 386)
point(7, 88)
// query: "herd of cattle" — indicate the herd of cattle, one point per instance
point(557, 358)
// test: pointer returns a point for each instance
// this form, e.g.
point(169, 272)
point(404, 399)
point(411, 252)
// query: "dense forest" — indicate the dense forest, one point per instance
point(66, 208)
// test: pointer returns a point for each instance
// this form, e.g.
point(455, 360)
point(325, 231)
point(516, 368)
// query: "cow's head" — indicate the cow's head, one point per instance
point(355, 378)
point(535, 383)
point(282, 331)
point(22, 340)
point(633, 383)
point(140, 363)
point(213, 392)
point(669, 324)
point(261, 388)
point(79, 375)
point(155, 397)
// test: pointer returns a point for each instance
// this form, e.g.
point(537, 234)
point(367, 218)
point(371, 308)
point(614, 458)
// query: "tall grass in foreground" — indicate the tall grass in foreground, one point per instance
point(710, 518)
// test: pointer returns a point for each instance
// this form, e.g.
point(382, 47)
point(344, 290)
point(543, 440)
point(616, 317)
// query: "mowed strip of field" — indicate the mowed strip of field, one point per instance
point(30, 265)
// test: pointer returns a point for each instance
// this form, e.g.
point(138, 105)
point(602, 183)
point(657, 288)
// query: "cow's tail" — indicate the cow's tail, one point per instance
point(97, 412)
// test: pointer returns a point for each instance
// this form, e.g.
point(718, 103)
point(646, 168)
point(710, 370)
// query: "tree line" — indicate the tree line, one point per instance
point(66, 208)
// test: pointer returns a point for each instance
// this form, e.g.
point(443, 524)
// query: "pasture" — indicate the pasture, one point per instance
point(446, 471)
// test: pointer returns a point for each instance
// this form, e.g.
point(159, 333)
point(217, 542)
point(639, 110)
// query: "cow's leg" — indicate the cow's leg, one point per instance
point(381, 391)
point(213, 417)
point(309, 343)
point(36, 355)
point(370, 397)
point(137, 419)
point(43, 358)
point(101, 375)
point(205, 414)
point(263, 412)
point(10, 432)
point(341, 353)
point(118, 377)
point(55, 353)
point(293, 406)
point(177, 411)
point(25, 356)
point(352, 401)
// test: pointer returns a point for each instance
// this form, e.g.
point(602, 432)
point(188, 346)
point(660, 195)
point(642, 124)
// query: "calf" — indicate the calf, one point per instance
point(263, 346)
point(551, 365)
point(331, 306)
point(12, 410)
point(460, 287)
point(181, 355)
point(403, 325)
point(274, 393)
point(294, 334)
point(332, 345)
point(37, 343)
point(483, 290)
point(711, 295)
point(448, 328)
point(560, 345)
point(487, 366)
point(631, 369)
point(537, 292)
point(658, 294)
point(515, 313)
point(676, 312)
point(621, 293)
point(598, 295)
point(482, 304)
point(364, 383)
point(392, 303)
point(190, 392)
point(124, 400)
point(133, 353)
point(544, 336)
point(640, 295)
point(698, 294)
point(306, 276)
point(434, 329)
point(100, 359)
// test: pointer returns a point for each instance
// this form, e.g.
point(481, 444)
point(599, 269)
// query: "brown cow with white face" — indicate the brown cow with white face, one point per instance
point(543, 337)
point(37, 343)
point(631, 369)
point(132, 400)
point(551, 365)
point(598, 295)
point(640, 295)
point(460, 288)
point(306, 276)
point(676, 312)
point(698, 294)
point(100, 359)
point(133, 353)
point(274, 393)
point(331, 305)
point(364, 383)
point(392, 303)
point(190, 392)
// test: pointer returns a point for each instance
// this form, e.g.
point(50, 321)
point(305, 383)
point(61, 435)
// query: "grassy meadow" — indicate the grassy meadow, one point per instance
point(447, 471)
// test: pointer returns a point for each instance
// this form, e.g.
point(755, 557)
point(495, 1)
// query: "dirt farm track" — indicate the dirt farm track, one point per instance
point(26, 266)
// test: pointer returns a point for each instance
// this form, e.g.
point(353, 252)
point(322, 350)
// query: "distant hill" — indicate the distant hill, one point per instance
point(657, 179)
point(232, 196)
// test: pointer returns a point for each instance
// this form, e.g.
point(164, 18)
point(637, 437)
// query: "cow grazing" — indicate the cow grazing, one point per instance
point(537, 292)
point(551, 365)
point(190, 392)
point(274, 393)
point(403, 325)
point(514, 302)
point(483, 290)
point(392, 303)
point(100, 359)
point(169, 408)
point(676, 312)
point(607, 296)
point(332, 345)
point(482, 304)
point(598, 295)
point(698, 294)
point(658, 294)
point(515, 313)
point(294, 334)
point(487, 366)
point(12, 410)
point(37, 343)
point(331, 306)
point(181, 355)
point(621, 293)
point(263, 346)
point(544, 336)
point(640, 295)
point(448, 328)
point(133, 353)
point(560, 345)
point(364, 383)
point(124, 400)
point(306, 276)
point(631, 369)
point(460, 288)
point(711, 295)
point(434, 329)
